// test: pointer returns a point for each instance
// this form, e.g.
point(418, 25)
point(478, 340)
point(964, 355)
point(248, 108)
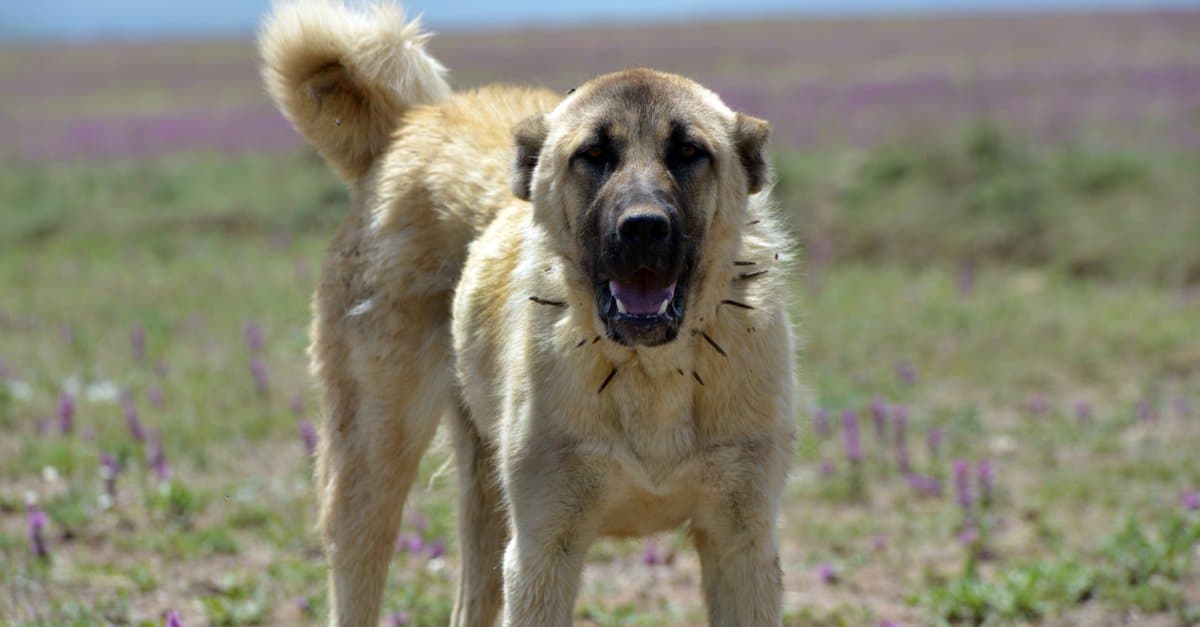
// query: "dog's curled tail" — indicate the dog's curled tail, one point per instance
point(344, 77)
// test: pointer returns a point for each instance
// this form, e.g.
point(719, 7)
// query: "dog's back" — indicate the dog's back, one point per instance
point(428, 170)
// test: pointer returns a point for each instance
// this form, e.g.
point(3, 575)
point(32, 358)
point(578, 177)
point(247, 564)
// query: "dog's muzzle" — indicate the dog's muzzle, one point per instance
point(641, 299)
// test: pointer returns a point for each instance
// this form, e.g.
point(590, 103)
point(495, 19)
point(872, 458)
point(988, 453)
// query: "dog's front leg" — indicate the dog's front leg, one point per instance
point(553, 496)
point(736, 539)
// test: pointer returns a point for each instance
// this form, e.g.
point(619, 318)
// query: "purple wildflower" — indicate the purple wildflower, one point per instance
point(906, 373)
point(108, 471)
point(1145, 411)
point(67, 335)
point(303, 605)
point(399, 619)
point(435, 549)
point(409, 543)
point(254, 337)
point(821, 422)
point(308, 435)
point(924, 485)
point(1183, 407)
point(827, 468)
point(5, 373)
point(827, 574)
point(1083, 411)
point(1190, 501)
point(259, 370)
point(986, 474)
point(160, 369)
point(155, 394)
point(900, 429)
point(879, 542)
point(132, 420)
point(879, 414)
point(1038, 405)
point(37, 533)
point(933, 440)
point(888, 623)
point(66, 413)
point(173, 619)
point(852, 441)
point(137, 342)
point(969, 534)
point(651, 554)
point(962, 484)
point(157, 457)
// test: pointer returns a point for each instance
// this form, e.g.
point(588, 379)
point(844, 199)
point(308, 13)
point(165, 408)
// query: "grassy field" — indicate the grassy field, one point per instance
point(1000, 314)
point(168, 302)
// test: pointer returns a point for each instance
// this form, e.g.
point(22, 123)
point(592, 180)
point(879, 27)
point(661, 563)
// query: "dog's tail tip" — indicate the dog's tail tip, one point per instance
point(344, 76)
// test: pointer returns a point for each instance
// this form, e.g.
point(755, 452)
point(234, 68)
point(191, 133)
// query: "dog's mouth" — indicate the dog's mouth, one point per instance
point(644, 308)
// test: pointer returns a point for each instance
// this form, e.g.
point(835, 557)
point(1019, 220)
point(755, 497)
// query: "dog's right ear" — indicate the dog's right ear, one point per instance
point(529, 135)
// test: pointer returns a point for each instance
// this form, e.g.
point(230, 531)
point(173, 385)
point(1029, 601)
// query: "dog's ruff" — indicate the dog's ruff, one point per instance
point(468, 281)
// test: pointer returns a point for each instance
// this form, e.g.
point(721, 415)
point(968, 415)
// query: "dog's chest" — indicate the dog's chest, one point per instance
point(652, 449)
point(651, 484)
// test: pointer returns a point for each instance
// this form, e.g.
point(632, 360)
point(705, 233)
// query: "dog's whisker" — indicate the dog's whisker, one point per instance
point(713, 343)
point(680, 371)
point(607, 380)
point(596, 340)
point(736, 304)
point(697, 378)
point(745, 263)
point(753, 222)
point(751, 275)
point(543, 301)
point(581, 342)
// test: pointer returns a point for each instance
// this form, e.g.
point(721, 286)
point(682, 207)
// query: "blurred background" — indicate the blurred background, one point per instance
point(998, 206)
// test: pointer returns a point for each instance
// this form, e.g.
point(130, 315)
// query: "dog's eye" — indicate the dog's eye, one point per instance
point(596, 155)
point(687, 153)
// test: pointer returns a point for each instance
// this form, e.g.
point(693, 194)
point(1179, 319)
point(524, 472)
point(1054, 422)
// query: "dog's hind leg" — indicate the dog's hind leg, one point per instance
point(386, 379)
point(482, 527)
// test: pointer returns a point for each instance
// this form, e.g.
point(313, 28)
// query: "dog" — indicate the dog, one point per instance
point(589, 287)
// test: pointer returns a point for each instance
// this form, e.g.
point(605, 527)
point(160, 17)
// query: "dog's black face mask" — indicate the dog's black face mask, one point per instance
point(641, 232)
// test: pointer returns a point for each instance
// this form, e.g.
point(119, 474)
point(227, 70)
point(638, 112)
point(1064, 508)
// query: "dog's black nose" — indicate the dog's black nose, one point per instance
point(642, 228)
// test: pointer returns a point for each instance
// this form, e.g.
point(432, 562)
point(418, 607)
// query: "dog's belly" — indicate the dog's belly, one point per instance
point(644, 514)
point(643, 497)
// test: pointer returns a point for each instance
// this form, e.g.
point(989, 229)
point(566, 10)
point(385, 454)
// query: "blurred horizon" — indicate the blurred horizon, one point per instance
point(134, 20)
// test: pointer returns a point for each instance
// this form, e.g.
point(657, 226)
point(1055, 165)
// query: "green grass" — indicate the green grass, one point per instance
point(985, 196)
point(1085, 521)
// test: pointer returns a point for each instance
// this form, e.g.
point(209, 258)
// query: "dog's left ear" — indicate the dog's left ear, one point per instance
point(750, 138)
point(529, 135)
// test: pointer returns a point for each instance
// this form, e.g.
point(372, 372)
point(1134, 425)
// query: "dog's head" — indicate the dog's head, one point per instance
point(627, 175)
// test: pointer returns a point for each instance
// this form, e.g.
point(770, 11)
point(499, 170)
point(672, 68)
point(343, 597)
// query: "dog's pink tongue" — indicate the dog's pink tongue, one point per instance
point(637, 297)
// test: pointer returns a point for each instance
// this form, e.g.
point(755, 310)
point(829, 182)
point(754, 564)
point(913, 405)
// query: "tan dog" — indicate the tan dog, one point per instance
point(598, 306)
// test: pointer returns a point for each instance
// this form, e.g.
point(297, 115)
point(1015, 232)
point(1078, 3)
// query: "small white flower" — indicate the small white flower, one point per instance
point(72, 385)
point(20, 390)
point(50, 474)
point(102, 392)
